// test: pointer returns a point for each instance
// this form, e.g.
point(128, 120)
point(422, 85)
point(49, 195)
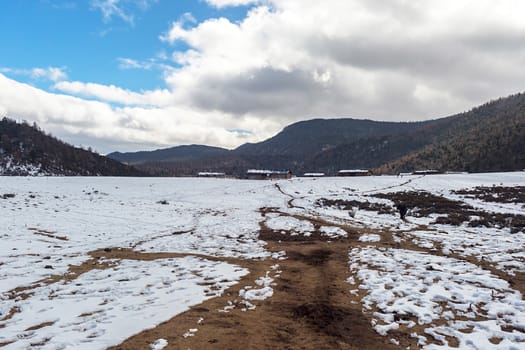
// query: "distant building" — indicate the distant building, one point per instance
point(256, 174)
point(313, 174)
point(210, 174)
point(427, 172)
point(456, 172)
point(354, 172)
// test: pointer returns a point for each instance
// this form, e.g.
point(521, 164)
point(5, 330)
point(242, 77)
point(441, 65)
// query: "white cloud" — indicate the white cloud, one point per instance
point(129, 63)
point(111, 8)
point(177, 28)
point(226, 3)
point(150, 64)
point(122, 9)
point(49, 73)
point(76, 118)
point(115, 94)
point(290, 60)
point(393, 60)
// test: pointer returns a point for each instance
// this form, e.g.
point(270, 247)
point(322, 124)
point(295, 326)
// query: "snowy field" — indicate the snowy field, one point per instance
point(446, 284)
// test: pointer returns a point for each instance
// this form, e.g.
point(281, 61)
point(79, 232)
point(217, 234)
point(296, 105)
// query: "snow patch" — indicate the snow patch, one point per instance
point(405, 286)
point(159, 344)
point(370, 237)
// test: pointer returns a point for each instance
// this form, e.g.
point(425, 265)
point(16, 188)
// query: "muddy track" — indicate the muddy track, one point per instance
point(311, 309)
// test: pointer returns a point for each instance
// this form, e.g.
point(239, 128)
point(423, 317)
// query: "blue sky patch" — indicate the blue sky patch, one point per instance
point(89, 44)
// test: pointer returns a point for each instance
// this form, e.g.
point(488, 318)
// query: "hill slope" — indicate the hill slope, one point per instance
point(376, 150)
point(292, 148)
point(26, 150)
point(312, 136)
point(173, 154)
point(488, 138)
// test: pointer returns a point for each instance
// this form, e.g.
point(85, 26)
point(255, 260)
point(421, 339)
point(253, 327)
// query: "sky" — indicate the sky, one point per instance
point(128, 75)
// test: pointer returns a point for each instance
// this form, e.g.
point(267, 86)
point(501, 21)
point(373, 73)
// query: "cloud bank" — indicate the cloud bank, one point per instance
point(290, 60)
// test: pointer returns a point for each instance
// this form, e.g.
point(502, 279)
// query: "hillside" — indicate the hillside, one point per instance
point(229, 165)
point(296, 147)
point(173, 154)
point(376, 150)
point(27, 150)
point(488, 138)
point(312, 136)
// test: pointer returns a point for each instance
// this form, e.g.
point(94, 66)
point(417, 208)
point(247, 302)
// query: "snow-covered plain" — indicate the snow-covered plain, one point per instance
point(52, 223)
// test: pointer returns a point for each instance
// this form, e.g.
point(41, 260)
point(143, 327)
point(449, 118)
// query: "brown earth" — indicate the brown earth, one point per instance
point(495, 194)
point(311, 309)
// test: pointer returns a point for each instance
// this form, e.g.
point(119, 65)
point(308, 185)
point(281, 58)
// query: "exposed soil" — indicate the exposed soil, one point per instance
point(424, 203)
point(451, 212)
point(49, 234)
point(311, 309)
point(352, 204)
point(495, 194)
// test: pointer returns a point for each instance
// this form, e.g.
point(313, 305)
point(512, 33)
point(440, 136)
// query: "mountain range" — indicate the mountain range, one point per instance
point(490, 137)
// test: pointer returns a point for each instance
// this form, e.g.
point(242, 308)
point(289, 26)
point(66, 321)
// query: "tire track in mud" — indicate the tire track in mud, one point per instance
point(516, 280)
point(311, 308)
point(409, 181)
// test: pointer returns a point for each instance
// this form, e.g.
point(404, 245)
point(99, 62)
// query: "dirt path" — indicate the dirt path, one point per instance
point(311, 309)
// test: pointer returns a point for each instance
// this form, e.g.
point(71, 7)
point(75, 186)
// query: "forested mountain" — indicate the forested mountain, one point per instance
point(376, 150)
point(231, 164)
point(27, 150)
point(305, 138)
point(327, 145)
point(297, 147)
point(487, 138)
point(173, 154)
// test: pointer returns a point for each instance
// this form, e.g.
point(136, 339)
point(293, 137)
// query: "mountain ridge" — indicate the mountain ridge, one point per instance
point(490, 137)
point(328, 145)
point(177, 153)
